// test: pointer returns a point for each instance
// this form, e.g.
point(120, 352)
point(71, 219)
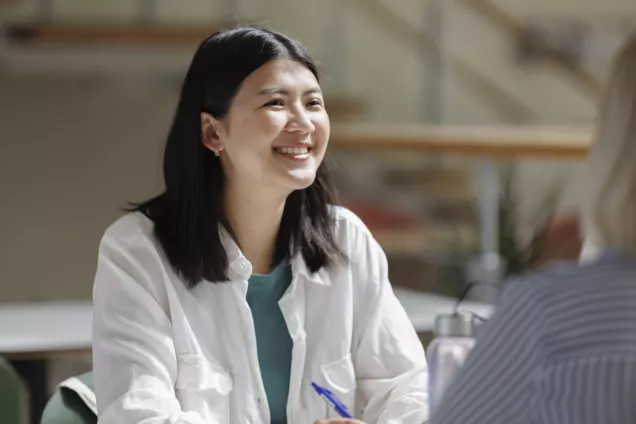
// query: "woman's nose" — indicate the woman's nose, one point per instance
point(301, 122)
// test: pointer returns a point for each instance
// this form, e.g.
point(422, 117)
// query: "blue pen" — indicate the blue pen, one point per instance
point(332, 400)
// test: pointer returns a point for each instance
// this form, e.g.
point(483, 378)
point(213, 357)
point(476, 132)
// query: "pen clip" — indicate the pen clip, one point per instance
point(326, 394)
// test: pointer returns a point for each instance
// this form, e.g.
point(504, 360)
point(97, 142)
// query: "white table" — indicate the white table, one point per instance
point(422, 308)
point(44, 329)
point(41, 330)
point(33, 333)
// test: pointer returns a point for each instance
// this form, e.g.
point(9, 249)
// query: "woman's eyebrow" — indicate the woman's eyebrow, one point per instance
point(282, 91)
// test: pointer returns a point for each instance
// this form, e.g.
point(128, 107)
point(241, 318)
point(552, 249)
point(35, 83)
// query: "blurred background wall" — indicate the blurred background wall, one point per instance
point(82, 128)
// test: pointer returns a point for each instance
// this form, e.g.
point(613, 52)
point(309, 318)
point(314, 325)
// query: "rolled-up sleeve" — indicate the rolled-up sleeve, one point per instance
point(134, 357)
point(391, 370)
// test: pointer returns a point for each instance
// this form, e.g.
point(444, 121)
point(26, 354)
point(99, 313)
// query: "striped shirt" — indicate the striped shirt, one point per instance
point(560, 349)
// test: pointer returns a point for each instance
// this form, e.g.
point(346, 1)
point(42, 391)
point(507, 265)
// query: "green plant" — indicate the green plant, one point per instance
point(521, 254)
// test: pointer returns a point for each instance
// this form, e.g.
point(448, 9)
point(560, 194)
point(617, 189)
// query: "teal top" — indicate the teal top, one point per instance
point(272, 337)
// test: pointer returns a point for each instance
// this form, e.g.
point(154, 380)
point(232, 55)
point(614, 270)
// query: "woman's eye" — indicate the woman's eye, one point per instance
point(275, 102)
point(315, 102)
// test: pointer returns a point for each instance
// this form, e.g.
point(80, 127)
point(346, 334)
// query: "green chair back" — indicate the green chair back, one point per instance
point(13, 399)
point(72, 403)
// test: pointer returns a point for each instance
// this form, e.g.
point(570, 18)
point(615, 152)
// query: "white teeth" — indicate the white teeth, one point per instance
point(293, 150)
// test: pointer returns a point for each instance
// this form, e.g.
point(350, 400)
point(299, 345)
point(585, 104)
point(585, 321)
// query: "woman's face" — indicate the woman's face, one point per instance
point(276, 132)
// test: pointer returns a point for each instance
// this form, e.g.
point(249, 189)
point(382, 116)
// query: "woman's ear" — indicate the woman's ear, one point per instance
point(210, 137)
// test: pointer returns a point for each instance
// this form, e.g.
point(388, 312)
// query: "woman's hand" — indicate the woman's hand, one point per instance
point(339, 421)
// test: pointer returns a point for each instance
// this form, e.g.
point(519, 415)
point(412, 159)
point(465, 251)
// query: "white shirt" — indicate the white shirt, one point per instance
point(166, 354)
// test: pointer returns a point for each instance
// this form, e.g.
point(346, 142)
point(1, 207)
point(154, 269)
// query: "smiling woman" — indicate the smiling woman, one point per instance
point(224, 298)
point(247, 92)
point(277, 114)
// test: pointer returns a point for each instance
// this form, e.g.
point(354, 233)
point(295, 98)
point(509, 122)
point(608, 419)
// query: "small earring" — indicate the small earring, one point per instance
point(216, 152)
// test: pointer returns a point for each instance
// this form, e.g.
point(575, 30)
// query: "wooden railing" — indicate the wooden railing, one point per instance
point(485, 144)
point(492, 142)
point(112, 34)
point(341, 107)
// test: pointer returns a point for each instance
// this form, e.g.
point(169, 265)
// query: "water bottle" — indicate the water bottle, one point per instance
point(447, 352)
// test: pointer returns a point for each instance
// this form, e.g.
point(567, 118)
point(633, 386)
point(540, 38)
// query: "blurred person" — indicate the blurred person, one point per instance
point(561, 348)
point(224, 298)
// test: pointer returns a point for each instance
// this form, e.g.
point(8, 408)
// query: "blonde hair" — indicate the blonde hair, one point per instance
point(609, 211)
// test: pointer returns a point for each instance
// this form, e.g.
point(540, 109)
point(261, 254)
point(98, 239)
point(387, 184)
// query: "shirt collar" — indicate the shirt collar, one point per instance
point(240, 267)
point(589, 253)
point(592, 253)
point(299, 267)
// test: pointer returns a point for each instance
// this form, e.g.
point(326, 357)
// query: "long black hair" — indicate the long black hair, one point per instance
point(187, 215)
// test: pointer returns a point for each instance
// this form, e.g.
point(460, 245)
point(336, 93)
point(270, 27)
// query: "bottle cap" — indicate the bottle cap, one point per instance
point(455, 325)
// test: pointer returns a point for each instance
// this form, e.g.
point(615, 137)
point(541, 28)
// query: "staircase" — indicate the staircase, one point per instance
point(379, 52)
point(483, 82)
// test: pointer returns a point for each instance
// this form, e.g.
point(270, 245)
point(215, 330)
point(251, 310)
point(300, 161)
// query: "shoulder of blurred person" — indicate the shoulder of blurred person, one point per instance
point(596, 291)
